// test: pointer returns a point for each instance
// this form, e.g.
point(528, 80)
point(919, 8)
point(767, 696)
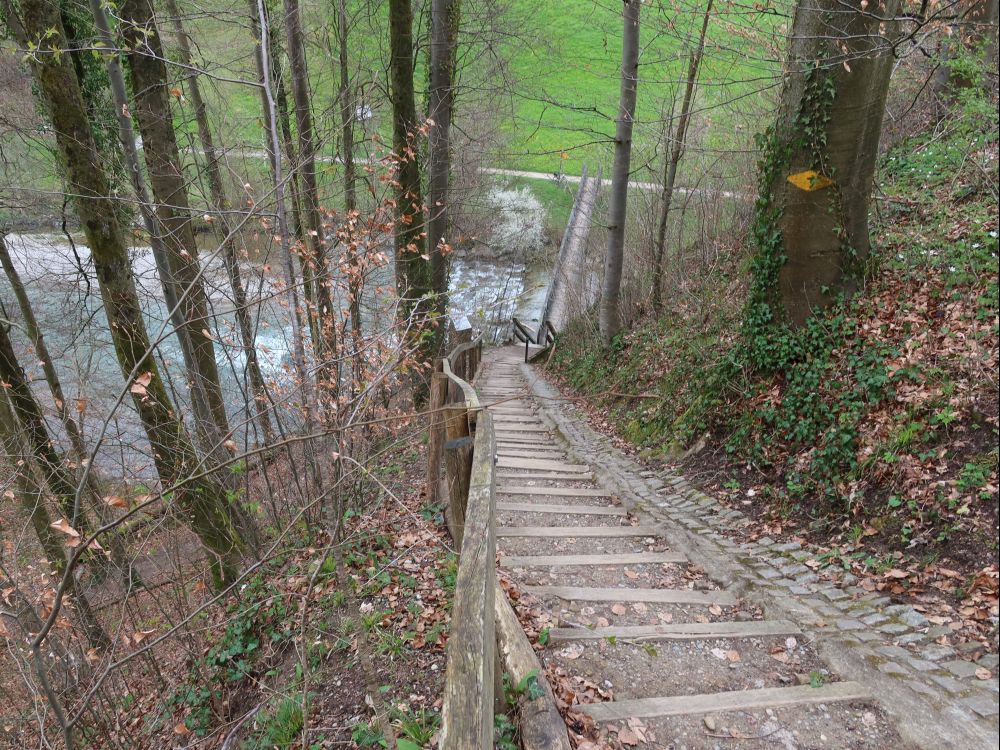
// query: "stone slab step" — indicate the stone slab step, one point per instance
point(737, 700)
point(578, 532)
point(615, 594)
point(571, 510)
point(554, 491)
point(541, 463)
point(681, 631)
point(627, 558)
point(543, 475)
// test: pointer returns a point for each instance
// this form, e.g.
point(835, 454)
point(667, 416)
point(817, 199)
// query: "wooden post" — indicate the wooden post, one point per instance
point(458, 464)
point(435, 432)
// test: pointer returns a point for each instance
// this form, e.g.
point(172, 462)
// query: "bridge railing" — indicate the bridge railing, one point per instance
point(461, 450)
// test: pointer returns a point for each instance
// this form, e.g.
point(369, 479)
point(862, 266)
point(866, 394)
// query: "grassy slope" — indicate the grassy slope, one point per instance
point(882, 442)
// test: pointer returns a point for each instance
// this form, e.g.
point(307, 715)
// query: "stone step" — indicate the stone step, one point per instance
point(554, 491)
point(626, 558)
point(579, 532)
point(656, 596)
point(737, 700)
point(543, 475)
point(540, 463)
point(571, 510)
point(681, 631)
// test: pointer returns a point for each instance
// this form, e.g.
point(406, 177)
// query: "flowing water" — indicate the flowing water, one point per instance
point(59, 278)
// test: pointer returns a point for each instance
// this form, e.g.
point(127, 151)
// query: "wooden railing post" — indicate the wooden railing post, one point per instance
point(435, 432)
point(458, 466)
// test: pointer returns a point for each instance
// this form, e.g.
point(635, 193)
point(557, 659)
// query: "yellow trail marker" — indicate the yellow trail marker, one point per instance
point(809, 180)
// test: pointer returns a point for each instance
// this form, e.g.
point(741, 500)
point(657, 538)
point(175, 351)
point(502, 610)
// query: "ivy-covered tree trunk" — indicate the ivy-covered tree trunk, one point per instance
point(205, 507)
point(819, 160)
point(610, 315)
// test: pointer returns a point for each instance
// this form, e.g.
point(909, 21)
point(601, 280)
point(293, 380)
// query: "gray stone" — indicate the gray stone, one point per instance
point(893, 628)
point(921, 687)
point(948, 683)
point(787, 547)
point(867, 635)
point(960, 668)
point(921, 665)
point(894, 652)
point(847, 624)
point(765, 541)
point(891, 667)
point(937, 652)
point(834, 594)
point(801, 555)
point(908, 638)
point(799, 590)
point(873, 619)
point(990, 661)
point(794, 570)
point(808, 577)
point(983, 705)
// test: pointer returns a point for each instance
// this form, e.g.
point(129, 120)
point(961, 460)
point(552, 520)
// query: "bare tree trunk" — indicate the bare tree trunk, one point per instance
point(818, 172)
point(445, 15)
point(264, 69)
point(671, 161)
point(413, 273)
point(610, 315)
point(152, 112)
point(315, 272)
point(222, 206)
point(204, 501)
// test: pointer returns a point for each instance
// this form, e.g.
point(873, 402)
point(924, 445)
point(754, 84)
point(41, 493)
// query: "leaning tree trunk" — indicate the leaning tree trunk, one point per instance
point(445, 15)
point(610, 315)
point(224, 229)
point(812, 214)
point(413, 273)
point(203, 501)
point(152, 112)
point(673, 159)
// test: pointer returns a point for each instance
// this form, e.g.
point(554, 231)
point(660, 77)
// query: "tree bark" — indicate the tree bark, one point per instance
point(316, 274)
point(673, 159)
point(152, 112)
point(829, 121)
point(610, 315)
point(413, 273)
point(445, 16)
point(224, 230)
point(204, 504)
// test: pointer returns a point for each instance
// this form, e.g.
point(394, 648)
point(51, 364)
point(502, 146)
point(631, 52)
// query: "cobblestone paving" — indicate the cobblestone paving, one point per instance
point(934, 694)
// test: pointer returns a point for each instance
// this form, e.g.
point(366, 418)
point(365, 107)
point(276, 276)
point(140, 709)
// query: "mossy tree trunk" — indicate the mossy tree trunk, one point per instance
point(205, 507)
point(819, 161)
point(153, 115)
point(413, 271)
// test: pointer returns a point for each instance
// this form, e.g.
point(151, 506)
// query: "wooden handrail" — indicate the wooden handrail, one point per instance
point(461, 441)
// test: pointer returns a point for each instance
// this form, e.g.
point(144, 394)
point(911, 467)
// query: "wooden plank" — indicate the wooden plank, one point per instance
point(682, 631)
point(467, 713)
point(540, 724)
point(572, 510)
point(553, 454)
point(512, 429)
point(575, 531)
point(561, 491)
point(541, 463)
point(436, 434)
point(627, 558)
point(614, 594)
point(737, 700)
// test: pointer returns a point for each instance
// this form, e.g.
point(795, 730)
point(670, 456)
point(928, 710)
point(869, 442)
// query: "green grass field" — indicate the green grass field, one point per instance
point(557, 107)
